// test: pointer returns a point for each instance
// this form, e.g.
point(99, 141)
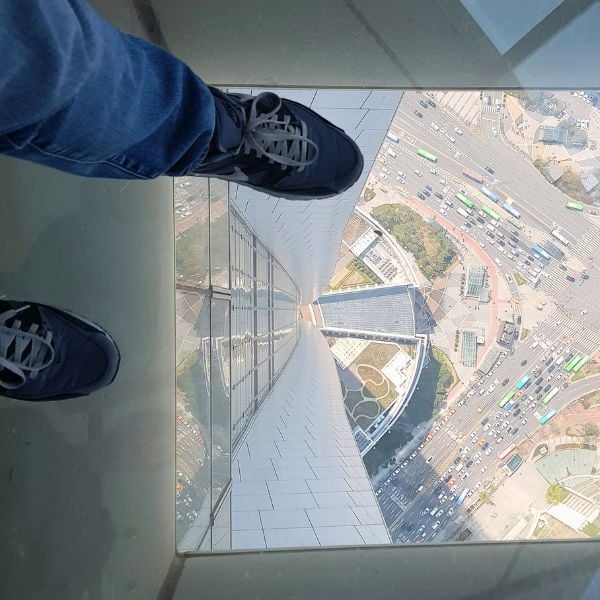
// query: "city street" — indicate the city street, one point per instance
point(426, 478)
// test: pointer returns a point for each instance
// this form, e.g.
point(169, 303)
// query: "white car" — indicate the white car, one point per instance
point(435, 126)
point(494, 131)
point(524, 422)
point(488, 451)
point(483, 469)
point(419, 173)
point(477, 485)
point(458, 131)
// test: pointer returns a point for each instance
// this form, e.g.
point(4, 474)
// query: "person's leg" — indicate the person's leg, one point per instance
point(78, 95)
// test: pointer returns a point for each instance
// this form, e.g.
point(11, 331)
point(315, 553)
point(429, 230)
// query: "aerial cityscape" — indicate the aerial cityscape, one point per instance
point(464, 322)
point(441, 383)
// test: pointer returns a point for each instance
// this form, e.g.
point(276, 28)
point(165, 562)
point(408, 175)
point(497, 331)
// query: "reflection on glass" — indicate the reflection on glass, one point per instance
point(219, 397)
point(193, 413)
point(219, 233)
point(191, 231)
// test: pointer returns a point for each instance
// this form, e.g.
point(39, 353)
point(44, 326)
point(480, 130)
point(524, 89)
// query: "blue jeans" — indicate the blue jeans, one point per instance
point(78, 95)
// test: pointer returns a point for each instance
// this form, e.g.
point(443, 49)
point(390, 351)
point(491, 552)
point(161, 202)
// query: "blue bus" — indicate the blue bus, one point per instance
point(541, 252)
point(509, 209)
point(547, 416)
point(462, 497)
point(491, 195)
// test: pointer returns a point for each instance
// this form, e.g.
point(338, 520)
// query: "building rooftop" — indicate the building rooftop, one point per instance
point(475, 281)
point(372, 311)
point(552, 135)
point(468, 348)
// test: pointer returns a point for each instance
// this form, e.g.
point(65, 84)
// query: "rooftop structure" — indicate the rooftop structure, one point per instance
point(588, 180)
point(468, 348)
point(552, 135)
point(554, 172)
point(475, 281)
point(378, 312)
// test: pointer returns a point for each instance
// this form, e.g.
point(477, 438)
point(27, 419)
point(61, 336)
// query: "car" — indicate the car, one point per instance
point(490, 170)
point(423, 103)
point(524, 362)
point(571, 278)
point(424, 512)
point(427, 193)
point(428, 187)
point(419, 173)
point(457, 460)
point(524, 422)
point(514, 431)
point(438, 195)
point(431, 103)
point(484, 446)
point(494, 131)
point(421, 196)
point(488, 451)
point(418, 113)
point(458, 131)
point(469, 463)
point(517, 412)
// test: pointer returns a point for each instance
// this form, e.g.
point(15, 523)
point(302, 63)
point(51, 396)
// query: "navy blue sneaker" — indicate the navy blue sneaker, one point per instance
point(280, 147)
point(50, 354)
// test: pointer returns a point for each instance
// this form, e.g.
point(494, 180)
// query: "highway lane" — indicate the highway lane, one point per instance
point(467, 419)
point(514, 175)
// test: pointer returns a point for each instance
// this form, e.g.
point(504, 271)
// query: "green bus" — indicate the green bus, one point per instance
point(507, 398)
point(488, 211)
point(468, 203)
point(427, 155)
point(574, 206)
point(569, 366)
point(580, 363)
point(550, 395)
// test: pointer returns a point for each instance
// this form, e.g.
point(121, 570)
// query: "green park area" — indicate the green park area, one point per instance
point(431, 247)
point(357, 274)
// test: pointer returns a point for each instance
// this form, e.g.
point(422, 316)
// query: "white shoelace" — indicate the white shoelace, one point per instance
point(23, 352)
point(278, 140)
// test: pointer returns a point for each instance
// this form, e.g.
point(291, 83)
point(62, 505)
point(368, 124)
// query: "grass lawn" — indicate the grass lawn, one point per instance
point(592, 530)
point(519, 279)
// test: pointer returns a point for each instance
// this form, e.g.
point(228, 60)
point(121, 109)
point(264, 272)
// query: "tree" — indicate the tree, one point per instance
point(369, 194)
point(590, 429)
point(556, 493)
point(486, 497)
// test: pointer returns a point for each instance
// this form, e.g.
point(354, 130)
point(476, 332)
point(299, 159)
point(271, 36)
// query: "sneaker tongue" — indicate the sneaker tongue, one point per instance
point(267, 102)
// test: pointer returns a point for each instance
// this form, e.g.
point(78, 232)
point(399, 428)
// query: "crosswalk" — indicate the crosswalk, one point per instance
point(583, 507)
point(588, 244)
point(489, 108)
point(556, 281)
point(573, 332)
